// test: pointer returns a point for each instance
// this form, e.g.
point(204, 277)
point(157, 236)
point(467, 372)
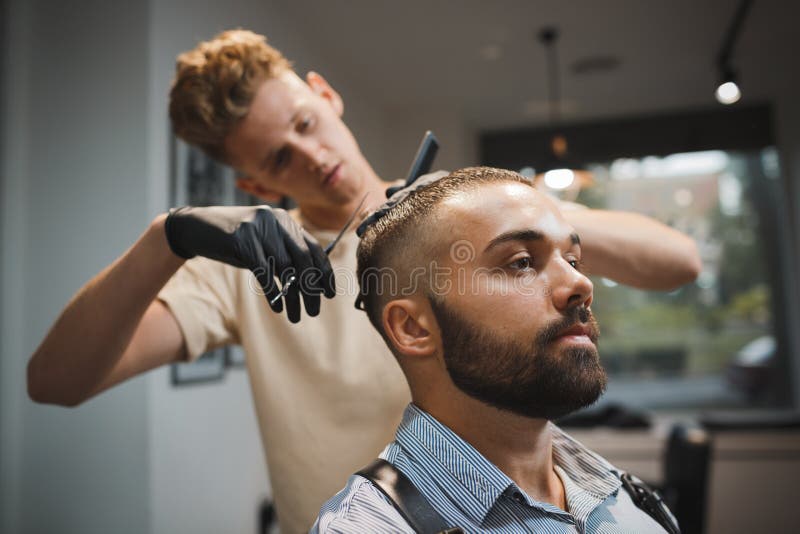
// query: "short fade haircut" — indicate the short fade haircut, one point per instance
point(397, 240)
point(215, 83)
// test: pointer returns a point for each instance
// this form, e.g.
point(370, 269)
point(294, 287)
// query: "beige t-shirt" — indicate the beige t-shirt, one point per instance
point(328, 393)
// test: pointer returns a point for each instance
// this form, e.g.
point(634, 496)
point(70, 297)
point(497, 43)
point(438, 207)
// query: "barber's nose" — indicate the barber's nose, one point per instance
point(313, 153)
point(572, 288)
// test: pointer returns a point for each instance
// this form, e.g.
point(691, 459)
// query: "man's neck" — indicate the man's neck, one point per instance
point(520, 447)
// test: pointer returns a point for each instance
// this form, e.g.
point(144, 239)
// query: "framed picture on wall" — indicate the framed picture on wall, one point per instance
point(235, 356)
point(198, 180)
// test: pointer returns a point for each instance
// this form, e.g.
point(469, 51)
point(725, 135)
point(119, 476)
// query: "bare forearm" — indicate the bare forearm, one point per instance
point(634, 249)
point(93, 331)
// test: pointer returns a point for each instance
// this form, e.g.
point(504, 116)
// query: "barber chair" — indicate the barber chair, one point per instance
point(687, 463)
point(267, 520)
point(686, 467)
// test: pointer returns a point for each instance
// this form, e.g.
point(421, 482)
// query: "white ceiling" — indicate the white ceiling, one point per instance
point(426, 54)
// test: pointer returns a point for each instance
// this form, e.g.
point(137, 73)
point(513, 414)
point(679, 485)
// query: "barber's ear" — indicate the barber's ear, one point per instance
point(409, 325)
point(252, 187)
point(322, 88)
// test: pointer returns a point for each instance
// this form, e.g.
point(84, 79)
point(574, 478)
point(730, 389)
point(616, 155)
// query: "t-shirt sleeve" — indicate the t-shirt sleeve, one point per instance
point(201, 297)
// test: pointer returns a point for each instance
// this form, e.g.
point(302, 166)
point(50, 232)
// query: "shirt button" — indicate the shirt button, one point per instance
point(518, 497)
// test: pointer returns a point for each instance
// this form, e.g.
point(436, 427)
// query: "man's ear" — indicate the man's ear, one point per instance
point(248, 185)
point(410, 327)
point(322, 88)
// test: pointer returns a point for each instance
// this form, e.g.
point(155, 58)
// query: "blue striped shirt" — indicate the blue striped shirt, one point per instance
point(470, 492)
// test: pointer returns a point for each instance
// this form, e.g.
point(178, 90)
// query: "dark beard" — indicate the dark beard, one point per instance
point(528, 378)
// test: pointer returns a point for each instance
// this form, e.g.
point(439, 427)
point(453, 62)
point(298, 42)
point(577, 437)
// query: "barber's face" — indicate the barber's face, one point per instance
point(293, 142)
point(517, 331)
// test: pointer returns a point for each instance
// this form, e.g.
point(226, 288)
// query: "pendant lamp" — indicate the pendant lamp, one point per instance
point(558, 174)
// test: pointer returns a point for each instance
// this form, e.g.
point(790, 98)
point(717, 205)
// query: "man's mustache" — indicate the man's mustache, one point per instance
point(580, 315)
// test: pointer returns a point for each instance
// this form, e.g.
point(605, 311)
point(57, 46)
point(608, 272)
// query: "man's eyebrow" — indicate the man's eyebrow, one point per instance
point(525, 235)
point(514, 235)
point(272, 152)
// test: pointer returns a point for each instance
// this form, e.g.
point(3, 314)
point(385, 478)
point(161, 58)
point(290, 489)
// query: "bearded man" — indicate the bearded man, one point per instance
point(496, 340)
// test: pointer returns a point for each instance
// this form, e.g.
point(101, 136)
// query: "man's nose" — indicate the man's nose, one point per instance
point(313, 154)
point(571, 288)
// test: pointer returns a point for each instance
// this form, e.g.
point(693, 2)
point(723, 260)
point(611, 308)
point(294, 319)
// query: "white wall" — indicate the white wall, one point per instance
point(85, 168)
point(75, 154)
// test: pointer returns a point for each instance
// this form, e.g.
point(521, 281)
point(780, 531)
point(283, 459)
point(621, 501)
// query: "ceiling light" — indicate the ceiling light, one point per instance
point(491, 52)
point(559, 178)
point(728, 93)
point(595, 64)
point(557, 173)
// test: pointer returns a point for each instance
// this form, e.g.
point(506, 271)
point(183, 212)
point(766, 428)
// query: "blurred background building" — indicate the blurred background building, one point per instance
point(87, 160)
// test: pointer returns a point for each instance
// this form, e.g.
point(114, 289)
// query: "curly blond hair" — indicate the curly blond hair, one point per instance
point(215, 83)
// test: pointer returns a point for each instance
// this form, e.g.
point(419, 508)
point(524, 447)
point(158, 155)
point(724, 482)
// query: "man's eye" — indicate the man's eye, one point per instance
point(576, 264)
point(522, 264)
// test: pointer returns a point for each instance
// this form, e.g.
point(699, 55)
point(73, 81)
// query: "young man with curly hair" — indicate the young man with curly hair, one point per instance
point(327, 392)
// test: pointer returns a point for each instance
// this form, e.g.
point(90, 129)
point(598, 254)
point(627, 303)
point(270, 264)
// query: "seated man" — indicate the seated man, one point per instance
point(488, 314)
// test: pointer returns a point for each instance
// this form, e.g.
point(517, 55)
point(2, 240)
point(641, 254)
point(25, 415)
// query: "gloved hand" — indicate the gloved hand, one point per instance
point(265, 240)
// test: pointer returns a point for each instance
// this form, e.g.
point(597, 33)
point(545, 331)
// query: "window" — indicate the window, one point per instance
point(710, 343)
point(721, 341)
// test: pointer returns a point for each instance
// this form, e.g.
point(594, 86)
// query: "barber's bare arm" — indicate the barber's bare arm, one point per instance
point(634, 250)
point(114, 328)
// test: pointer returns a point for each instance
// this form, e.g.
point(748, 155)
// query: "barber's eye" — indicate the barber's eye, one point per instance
point(304, 124)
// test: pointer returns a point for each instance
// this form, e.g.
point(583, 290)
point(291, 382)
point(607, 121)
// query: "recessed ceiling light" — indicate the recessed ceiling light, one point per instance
point(595, 64)
point(491, 52)
point(540, 108)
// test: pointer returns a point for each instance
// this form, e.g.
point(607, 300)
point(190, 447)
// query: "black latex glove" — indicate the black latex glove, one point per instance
point(265, 240)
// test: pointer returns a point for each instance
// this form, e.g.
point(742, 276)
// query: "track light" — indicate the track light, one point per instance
point(728, 91)
point(558, 172)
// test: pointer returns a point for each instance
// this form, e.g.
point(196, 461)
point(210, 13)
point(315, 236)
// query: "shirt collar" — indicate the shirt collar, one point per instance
point(590, 471)
point(473, 482)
